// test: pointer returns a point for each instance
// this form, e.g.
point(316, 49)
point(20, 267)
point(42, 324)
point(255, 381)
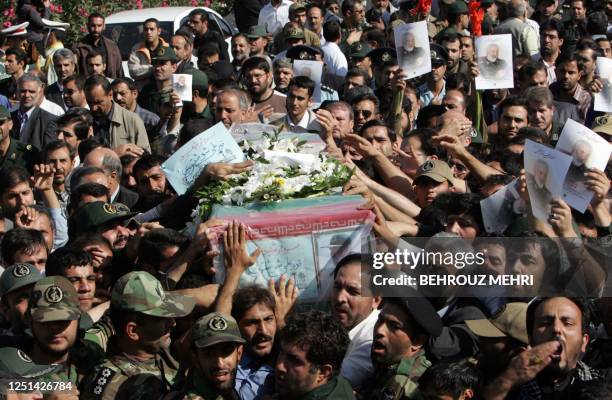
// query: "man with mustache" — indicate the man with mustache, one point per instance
point(60, 156)
point(150, 178)
point(357, 310)
point(138, 364)
point(105, 219)
point(403, 328)
point(216, 349)
point(312, 347)
point(54, 315)
point(558, 334)
point(259, 312)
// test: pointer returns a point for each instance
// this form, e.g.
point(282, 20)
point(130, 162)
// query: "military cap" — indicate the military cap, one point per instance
point(55, 25)
point(295, 33)
point(164, 54)
point(303, 52)
point(486, 3)
point(437, 170)
point(359, 50)
point(199, 79)
point(16, 30)
point(15, 361)
point(439, 55)
point(54, 299)
point(510, 320)
point(415, 304)
point(383, 56)
point(4, 113)
point(458, 7)
point(257, 31)
point(215, 328)
point(603, 124)
point(98, 213)
point(297, 6)
point(17, 276)
point(141, 292)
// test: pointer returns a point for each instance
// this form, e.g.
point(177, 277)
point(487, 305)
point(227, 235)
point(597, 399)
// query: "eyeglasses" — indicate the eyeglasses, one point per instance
point(365, 113)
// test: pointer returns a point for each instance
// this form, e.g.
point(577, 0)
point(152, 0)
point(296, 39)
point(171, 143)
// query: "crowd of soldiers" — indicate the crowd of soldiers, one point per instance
point(103, 292)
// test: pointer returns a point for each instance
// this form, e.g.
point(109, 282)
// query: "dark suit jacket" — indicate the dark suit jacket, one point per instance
point(127, 197)
point(39, 130)
point(54, 94)
point(113, 57)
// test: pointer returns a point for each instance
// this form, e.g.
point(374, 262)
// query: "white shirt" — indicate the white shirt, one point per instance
point(114, 195)
point(51, 107)
point(274, 18)
point(306, 124)
point(335, 59)
point(357, 365)
point(550, 68)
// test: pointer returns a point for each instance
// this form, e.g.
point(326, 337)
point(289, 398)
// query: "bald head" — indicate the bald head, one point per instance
point(109, 161)
point(454, 100)
point(451, 117)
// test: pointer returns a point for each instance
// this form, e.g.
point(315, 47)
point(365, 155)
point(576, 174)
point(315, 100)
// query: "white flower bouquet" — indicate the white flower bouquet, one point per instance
point(280, 172)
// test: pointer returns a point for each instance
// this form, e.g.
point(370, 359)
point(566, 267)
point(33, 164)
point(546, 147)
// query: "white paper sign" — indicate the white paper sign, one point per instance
point(494, 59)
point(412, 47)
point(545, 170)
point(587, 150)
point(213, 145)
point(314, 71)
point(603, 99)
point(498, 210)
point(181, 83)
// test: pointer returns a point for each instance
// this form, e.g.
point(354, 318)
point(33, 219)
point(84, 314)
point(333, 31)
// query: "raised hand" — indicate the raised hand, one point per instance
point(285, 296)
point(235, 251)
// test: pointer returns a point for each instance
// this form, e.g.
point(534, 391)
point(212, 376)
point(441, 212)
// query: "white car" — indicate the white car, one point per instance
point(125, 27)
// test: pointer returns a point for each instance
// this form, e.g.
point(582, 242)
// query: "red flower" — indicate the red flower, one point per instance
point(6, 24)
point(194, 3)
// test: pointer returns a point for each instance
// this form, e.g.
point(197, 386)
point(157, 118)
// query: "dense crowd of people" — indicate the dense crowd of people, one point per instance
point(103, 291)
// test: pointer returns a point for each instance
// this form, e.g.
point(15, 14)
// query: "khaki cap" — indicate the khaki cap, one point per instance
point(509, 321)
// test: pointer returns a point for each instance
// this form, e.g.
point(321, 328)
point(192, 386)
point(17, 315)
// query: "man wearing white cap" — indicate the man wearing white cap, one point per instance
point(54, 33)
point(16, 35)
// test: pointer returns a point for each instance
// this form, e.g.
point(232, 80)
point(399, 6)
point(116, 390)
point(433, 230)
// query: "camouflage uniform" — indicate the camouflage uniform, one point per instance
point(209, 330)
point(400, 380)
point(121, 375)
point(55, 299)
point(14, 361)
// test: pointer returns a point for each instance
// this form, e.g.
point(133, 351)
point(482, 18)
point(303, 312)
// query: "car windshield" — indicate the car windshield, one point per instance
point(127, 34)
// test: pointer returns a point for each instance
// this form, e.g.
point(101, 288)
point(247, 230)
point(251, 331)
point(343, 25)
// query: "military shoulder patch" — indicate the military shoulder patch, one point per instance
point(102, 379)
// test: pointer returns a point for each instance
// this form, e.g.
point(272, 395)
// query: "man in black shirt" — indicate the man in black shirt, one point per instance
point(198, 21)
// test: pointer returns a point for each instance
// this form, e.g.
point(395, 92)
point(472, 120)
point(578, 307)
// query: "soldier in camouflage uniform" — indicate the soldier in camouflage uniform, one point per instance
point(54, 315)
point(402, 329)
point(138, 363)
point(16, 284)
point(217, 348)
